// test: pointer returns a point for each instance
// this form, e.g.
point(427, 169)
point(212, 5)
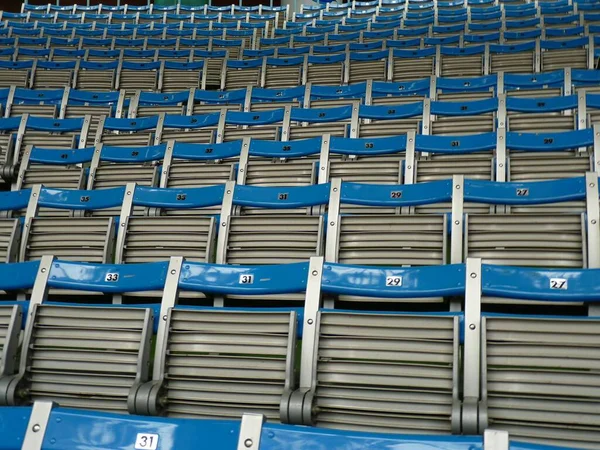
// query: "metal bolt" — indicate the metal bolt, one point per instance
point(241, 170)
point(335, 189)
point(309, 321)
point(457, 186)
point(315, 273)
point(332, 223)
point(164, 317)
point(123, 224)
point(43, 270)
point(473, 275)
point(36, 428)
point(457, 222)
point(410, 140)
point(500, 165)
point(248, 443)
point(173, 272)
point(592, 184)
point(472, 326)
point(229, 191)
point(593, 221)
point(322, 167)
point(223, 224)
point(128, 192)
point(500, 137)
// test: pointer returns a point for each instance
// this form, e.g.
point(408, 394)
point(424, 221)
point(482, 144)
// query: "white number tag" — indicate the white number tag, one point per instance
point(146, 441)
point(246, 279)
point(112, 277)
point(393, 281)
point(558, 283)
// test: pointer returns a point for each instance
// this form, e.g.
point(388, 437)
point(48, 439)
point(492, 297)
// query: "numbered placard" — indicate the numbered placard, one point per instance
point(112, 277)
point(146, 441)
point(393, 281)
point(559, 283)
point(246, 279)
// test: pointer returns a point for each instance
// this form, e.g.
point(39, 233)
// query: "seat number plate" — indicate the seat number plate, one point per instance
point(146, 441)
point(393, 281)
point(558, 283)
point(246, 279)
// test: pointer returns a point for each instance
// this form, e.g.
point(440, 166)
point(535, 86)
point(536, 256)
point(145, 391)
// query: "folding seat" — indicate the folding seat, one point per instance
point(513, 58)
point(134, 76)
point(459, 118)
point(366, 66)
point(139, 56)
point(60, 359)
point(176, 76)
point(186, 43)
point(439, 158)
point(124, 132)
point(123, 18)
point(11, 204)
point(465, 89)
point(97, 44)
point(549, 84)
point(389, 120)
point(103, 56)
point(390, 12)
point(264, 163)
point(324, 70)
point(34, 55)
point(387, 382)
point(483, 29)
point(574, 53)
point(201, 394)
point(376, 36)
point(195, 165)
point(261, 99)
point(233, 47)
point(146, 104)
point(59, 54)
point(72, 237)
point(333, 96)
point(306, 123)
point(312, 40)
point(213, 66)
point(460, 62)
point(52, 168)
point(40, 103)
point(162, 44)
point(203, 102)
point(540, 363)
point(447, 30)
point(179, 56)
point(49, 74)
point(257, 54)
point(95, 76)
point(409, 65)
point(265, 125)
point(343, 38)
point(202, 128)
point(274, 225)
point(537, 115)
point(394, 93)
point(282, 72)
point(246, 36)
point(525, 232)
point(177, 18)
point(264, 22)
point(144, 18)
point(241, 74)
point(374, 161)
point(568, 21)
point(95, 104)
point(31, 48)
point(10, 129)
point(320, 50)
point(548, 156)
point(264, 43)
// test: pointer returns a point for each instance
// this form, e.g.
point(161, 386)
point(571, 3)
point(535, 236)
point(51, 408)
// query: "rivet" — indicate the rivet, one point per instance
point(501, 137)
point(593, 221)
point(123, 224)
point(223, 224)
point(173, 272)
point(248, 443)
point(473, 275)
point(335, 189)
point(128, 192)
point(315, 273)
point(409, 167)
point(592, 184)
point(164, 317)
point(322, 167)
point(43, 270)
point(229, 191)
point(332, 223)
point(36, 428)
point(309, 321)
point(472, 326)
point(457, 186)
point(457, 222)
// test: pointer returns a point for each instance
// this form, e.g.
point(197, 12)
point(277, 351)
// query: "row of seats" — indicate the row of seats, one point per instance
point(213, 69)
point(55, 102)
point(374, 371)
point(368, 224)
